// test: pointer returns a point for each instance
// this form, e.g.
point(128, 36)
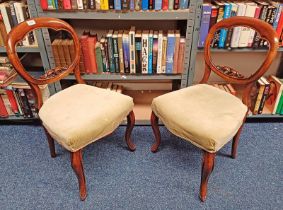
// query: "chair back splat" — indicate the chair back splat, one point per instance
point(52, 75)
point(231, 75)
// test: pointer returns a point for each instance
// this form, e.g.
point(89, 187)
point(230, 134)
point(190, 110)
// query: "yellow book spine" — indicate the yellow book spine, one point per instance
point(104, 5)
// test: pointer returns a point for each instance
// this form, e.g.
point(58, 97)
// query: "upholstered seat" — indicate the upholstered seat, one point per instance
point(202, 114)
point(95, 112)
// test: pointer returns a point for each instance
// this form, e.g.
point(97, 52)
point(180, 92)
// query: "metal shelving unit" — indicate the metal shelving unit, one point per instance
point(34, 49)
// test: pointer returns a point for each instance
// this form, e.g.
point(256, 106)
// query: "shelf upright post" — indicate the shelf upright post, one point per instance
point(194, 44)
point(48, 55)
point(40, 41)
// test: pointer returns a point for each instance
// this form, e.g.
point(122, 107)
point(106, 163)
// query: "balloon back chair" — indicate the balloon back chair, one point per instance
point(206, 116)
point(79, 114)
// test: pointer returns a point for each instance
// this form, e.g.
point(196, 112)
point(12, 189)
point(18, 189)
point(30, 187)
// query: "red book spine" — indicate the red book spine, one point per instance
point(85, 54)
point(44, 4)
point(165, 4)
point(3, 110)
point(176, 4)
point(67, 4)
point(12, 101)
point(280, 26)
point(91, 51)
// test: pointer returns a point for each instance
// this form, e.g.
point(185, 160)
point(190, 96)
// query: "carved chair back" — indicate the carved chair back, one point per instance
point(52, 75)
point(233, 76)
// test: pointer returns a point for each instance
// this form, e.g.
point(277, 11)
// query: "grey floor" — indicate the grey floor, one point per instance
point(119, 179)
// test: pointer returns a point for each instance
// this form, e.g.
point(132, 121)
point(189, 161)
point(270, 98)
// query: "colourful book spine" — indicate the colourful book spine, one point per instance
point(145, 52)
point(158, 4)
point(56, 4)
point(223, 32)
point(184, 4)
point(67, 4)
point(120, 47)
point(170, 4)
point(110, 51)
point(104, 5)
point(144, 4)
point(126, 52)
point(44, 4)
point(132, 5)
point(138, 5)
point(132, 50)
point(280, 104)
point(150, 46)
point(277, 15)
point(159, 55)
point(50, 4)
point(155, 52)
point(116, 52)
point(111, 4)
point(170, 52)
point(205, 20)
point(98, 55)
point(117, 5)
point(138, 47)
point(234, 10)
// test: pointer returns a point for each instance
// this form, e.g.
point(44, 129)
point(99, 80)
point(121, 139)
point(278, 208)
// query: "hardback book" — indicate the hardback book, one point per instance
point(44, 4)
point(205, 19)
point(154, 52)
point(159, 55)
point(138, 5)
point(117, 5)
point(165, 4)
point(55, 51)
point(234, 10)
point(116, 52)
point(110, 51)
point(245, 32)
point(279, 29)
point(176, 4)
point(264, 95)
point(276, 88)
point(237, 30)
point(170, 51)
point(144, 4)
point(31, 35)
point(138, 48)
point(67, 55)
point(164, 54)
point(61, 53)
point(180, 66)
point(126, 52)
point(72, 50)
point(223, 32)
point(279, 7)
point(26, 106)
point(216, 38)
point(157, 4)
point(98, 56)
point(80, 4)
point(86, 58)
point(104, 52)
point(176, 51)
point(67, 4)
point(145, 41)
point(184, 4)
point(170, 4)
point(132, 50)
point(150, 46)
point(151, 4)
point(252, 33)
point(120, 47)
point(81, 64)
point(256, 103)
point(91, 41)
point(59, 4)
point(104, 5)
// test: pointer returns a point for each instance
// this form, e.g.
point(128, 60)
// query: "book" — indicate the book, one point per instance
point(159, 56)
point(110, 50)
point(54, 46)
point(237, 30)
point(145, 41)
point(104, 5)
point(234, 10)
point(144, 4)
point(252, 32)
point(184, 4)
point(104, 53)
point(264, 95)
point(98, 56)
point(67, 55)
point(150, 46)
point(223, 32)
point(138, 48)
point(120, 47)
point(180, 66)
point(220, 5)
point(276, 87)
point(86, 58)
point(157, 5)
point(176, 51)
point(117, 5)
point(132, 50)
point(205, 20)
point(164, 54)
point(80, 4)
point(154, 52)
point(116, 52)
point(170, 52)
point(126, 51)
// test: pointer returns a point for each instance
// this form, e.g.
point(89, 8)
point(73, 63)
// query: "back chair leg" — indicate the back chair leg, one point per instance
point(155, 128)
point(77, 165)
point(130, 126)
point(50, 143)
point(207, 168)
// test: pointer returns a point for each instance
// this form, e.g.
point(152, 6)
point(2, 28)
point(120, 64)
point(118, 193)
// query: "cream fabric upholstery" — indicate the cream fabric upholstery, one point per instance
point(81, 114)
point(202, 114)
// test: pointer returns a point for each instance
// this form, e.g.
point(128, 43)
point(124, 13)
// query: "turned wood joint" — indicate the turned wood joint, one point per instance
point(230, 72)
point(53, 73)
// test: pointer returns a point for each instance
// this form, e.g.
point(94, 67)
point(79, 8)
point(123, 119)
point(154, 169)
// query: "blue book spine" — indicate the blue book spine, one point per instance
point(170, 53)
point(158, 4)
point(117, 4)
point(277, 16)
point(132, 4)
point(56, 4)
point(184, 4)
point(126, 52)
point(50, 4)
point(150, 45)
point(223, 32)
point(144, 4)
point(205, 20)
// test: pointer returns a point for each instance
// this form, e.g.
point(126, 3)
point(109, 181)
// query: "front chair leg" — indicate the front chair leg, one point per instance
point(207, 168)
point(50, 143)
point(236, 142)
point(155, 128)
point(77, 165)
point(130, 126)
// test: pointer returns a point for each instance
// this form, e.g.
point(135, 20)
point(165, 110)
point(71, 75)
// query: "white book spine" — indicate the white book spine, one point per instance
point(132, 51)
point(159, 55)
point(20, 17)
point(237, 30)
point(80, 4)
point(145, 53)
point(6, 21)
point(245, 32)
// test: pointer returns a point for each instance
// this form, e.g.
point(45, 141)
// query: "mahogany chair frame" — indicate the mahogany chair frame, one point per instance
point(54, 75)
point(232, 76)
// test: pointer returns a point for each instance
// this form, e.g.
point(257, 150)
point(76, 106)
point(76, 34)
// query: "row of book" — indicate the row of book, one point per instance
point(240, 37)
point(7, 71)
point(11, 14)
point(135, 52)
point(117, 5)
point(18, 100)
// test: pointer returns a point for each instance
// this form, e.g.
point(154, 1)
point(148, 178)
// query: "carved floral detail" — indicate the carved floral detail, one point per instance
point(54, 72)
point(230, 72)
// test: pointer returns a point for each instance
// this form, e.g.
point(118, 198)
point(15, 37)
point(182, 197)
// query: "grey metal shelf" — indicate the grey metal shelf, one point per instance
point(20, 118)
point(266, 116)
point(115, 15)
point(240, 50)
point(121, 77)
point(34, 49)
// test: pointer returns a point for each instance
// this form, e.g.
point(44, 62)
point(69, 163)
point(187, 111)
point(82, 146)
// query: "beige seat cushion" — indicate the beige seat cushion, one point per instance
point(202, 114)
point(81, 114)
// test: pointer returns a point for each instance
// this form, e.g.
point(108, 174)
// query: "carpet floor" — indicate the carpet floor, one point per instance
point(120, 179)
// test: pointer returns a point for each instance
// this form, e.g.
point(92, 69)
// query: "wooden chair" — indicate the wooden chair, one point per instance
point(78, 115)
point(206, 116)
